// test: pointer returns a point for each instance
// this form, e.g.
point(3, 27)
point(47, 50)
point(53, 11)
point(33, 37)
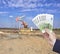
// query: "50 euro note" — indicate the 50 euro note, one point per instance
point(43, 21)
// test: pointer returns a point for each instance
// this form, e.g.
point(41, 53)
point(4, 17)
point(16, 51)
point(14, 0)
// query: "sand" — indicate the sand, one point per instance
point(11, 42)
point(25, 44)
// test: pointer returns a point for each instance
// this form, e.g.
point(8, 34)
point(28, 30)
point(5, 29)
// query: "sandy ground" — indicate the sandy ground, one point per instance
point(14, 43)
point(25, 44)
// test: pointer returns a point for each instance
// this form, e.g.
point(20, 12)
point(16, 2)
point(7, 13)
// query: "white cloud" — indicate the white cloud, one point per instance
point(11, 16)
point(58, 5)
point(3, 12)
point(42, 10)
point(3, 2)
point(48, 5)
point(51, 10)
point(29, 9)
point(31, 5)
point(28, 3)
point(15, 3)
point(21, 3)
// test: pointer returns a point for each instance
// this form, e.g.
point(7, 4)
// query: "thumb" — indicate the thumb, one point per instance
point(48, 31)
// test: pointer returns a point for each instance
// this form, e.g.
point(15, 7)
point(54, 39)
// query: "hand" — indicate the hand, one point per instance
point(50, 37)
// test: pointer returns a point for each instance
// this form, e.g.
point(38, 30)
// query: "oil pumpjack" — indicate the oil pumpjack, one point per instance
point(25, 29)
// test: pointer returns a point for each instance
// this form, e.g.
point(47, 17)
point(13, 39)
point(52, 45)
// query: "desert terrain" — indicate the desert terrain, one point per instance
point(11, 42)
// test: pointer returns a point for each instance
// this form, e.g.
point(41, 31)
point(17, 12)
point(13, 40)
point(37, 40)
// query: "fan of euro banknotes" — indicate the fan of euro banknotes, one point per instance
point(43, 21)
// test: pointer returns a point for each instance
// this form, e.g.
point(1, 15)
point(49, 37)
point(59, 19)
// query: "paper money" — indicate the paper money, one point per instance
point(43, 21)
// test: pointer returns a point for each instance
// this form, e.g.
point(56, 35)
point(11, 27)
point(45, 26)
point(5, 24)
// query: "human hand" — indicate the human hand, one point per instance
point(49, 36)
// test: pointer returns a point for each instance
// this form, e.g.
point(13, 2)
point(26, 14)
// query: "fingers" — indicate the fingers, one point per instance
point(48, 31)
point(46, 35)
point(49, 36)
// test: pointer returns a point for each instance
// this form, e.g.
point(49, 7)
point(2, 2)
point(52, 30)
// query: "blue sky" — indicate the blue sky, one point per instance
point(10, 9)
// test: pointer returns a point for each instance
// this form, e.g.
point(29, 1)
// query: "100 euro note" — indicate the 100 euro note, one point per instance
point(43, 21)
